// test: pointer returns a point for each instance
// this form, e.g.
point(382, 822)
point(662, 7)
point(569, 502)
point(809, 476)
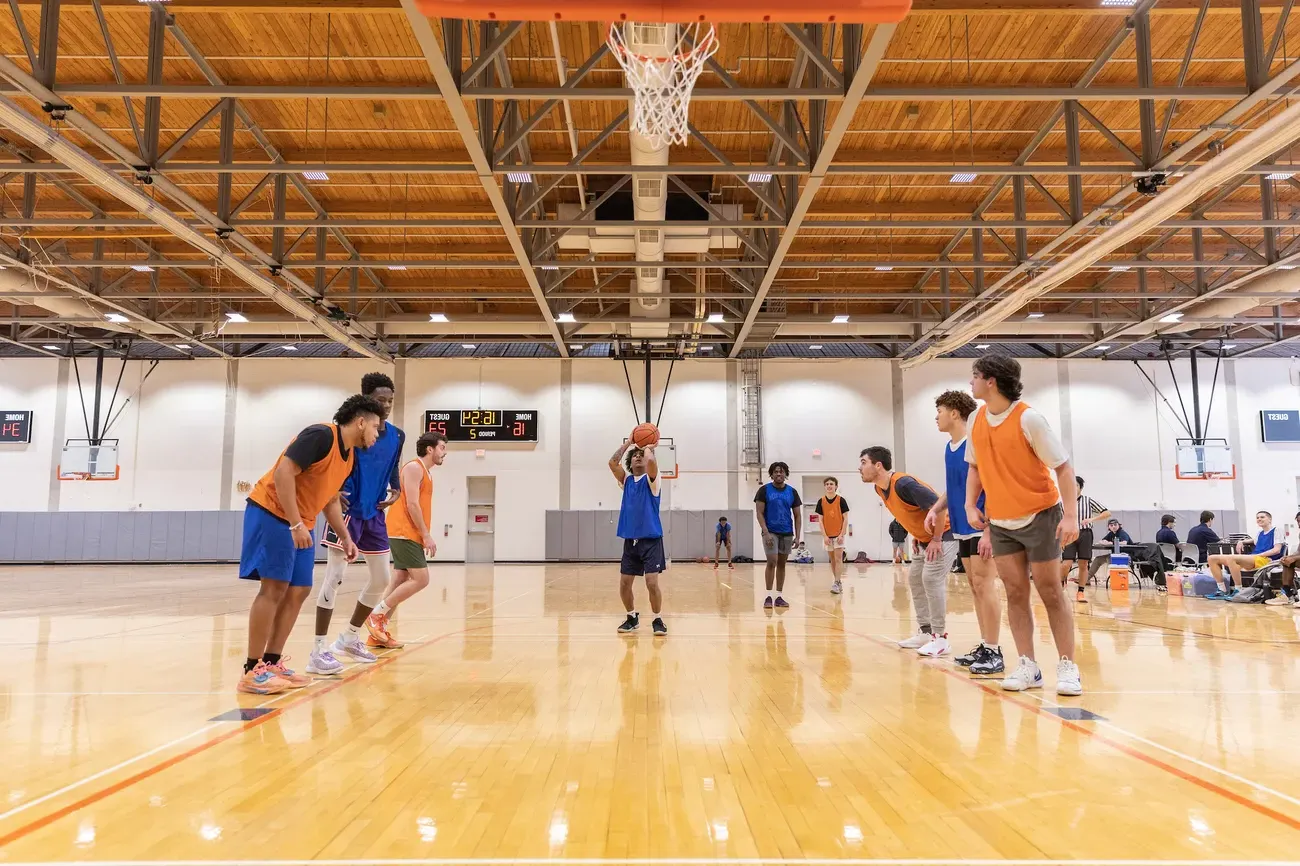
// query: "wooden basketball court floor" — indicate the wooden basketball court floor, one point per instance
point(518, 726)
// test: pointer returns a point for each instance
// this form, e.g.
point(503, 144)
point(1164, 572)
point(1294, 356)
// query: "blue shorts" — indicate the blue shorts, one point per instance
point(370, 536)
point(643, 556)
point(268, 552)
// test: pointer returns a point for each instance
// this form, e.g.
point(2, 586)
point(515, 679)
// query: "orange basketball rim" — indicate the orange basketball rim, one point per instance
point(717, 11)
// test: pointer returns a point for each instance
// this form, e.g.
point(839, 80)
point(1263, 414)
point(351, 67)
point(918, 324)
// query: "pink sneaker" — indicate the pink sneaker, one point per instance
point(295, 680)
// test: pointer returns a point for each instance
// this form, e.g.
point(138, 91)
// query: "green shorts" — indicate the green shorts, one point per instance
point(407, 554)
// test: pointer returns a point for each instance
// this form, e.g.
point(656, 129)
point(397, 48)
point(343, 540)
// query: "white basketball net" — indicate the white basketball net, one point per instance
point(662, 81)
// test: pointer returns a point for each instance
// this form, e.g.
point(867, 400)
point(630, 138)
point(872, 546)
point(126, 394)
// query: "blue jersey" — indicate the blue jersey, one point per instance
point(1264, 543)
point(781, 503)
point(638, 517)
point(724, 531)
point(374, 472)
point(954, 460)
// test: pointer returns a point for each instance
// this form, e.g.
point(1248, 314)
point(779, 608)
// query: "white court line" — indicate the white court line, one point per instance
point(72, 786)
point(103, 694)
point(1183, 756)
point(667, 861)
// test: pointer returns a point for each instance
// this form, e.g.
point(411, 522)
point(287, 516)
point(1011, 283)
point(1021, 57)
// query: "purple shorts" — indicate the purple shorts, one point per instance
point(370, 536)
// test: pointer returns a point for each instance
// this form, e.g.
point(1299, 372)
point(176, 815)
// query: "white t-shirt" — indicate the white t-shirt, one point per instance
point(1043, 440)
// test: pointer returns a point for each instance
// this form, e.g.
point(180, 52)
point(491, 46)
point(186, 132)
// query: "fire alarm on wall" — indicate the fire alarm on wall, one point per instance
point(817, 452)
point(481, 452)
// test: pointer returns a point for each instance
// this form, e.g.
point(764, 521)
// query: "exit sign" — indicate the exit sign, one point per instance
point(15, 427)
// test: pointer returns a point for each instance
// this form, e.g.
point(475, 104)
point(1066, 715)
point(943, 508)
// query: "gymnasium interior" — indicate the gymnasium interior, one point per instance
point(219, 215)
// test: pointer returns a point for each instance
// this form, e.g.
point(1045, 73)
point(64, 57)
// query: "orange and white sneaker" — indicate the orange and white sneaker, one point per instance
point(295, 680)
point(377, 625)
point(261, 680)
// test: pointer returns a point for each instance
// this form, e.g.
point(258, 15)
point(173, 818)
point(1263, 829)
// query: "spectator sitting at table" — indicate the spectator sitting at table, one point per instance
point(1116, 533)
point(1167, 535)
point(1202, 535)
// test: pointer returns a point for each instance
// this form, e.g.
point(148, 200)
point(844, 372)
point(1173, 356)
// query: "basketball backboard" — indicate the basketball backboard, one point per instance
point(1204, 459)
point(82, 460)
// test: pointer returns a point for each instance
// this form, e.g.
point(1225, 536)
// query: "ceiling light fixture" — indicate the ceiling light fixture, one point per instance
point(566, 318)
point(1117, 2)
point(469, 346)
point(706, 348)
point(232, 316)
point(816, 347)
point(716, 318)
point(438, 317)
point(315, 175)
point(884, 268)
point(574, 347)
point(519, 177)
point(182, 345)
point(1119, 269)
point(759, 177)
point(144, 269)
point(289, 348)
point(840, 320)
point(397, 267)
point(550, 267)
point(51, 348)
point(1228, 346)
point(1103, 347)
point(982, 346)
point(1034, 315)
point(962, 177)
point(117, 317)
point(1287, 267)
point(1172, 317)
point(1279, 175)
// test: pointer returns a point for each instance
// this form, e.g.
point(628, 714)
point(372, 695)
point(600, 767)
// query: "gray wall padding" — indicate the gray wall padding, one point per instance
point(124, 536)
point(592, 536)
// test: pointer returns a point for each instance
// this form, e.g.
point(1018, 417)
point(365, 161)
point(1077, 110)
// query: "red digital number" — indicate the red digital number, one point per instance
point(437, 427)
point(519, 429)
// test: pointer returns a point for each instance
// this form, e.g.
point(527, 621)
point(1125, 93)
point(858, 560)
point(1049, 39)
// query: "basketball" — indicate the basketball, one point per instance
point(645, 434)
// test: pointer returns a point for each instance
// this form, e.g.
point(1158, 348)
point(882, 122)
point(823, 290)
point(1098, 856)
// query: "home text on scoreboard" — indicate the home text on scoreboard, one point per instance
point(483, 425)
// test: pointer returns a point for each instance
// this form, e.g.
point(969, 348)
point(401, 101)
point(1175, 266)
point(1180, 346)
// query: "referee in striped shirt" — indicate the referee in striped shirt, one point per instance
point(1089, 511)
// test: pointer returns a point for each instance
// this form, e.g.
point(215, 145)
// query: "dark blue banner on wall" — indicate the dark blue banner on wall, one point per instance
point(1280, 425)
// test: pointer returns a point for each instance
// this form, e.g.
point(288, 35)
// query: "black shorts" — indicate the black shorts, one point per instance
point(1080, 549)
point(968, 547)
point(643, 556)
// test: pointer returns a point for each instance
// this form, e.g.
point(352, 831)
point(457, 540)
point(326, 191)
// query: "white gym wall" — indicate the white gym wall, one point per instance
point(173, 431)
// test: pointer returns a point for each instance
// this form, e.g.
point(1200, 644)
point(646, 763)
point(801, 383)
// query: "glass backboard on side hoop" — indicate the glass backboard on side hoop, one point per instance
point(84, 460)
point(666, 457)
point(1204, 460)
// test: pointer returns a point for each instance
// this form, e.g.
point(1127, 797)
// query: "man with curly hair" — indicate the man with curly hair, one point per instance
point(780, 519)
point(637, 473)
point(372, 487)
point(278, 545)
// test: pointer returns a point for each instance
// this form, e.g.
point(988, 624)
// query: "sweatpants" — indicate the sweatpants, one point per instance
point(929, 582)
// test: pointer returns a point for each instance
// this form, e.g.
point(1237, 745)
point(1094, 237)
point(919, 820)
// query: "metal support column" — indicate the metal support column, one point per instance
point(1146, 78)
point(227, 155)
point(1022, 234)
point(1074, 159)
point(48, 58)
point(154, 75)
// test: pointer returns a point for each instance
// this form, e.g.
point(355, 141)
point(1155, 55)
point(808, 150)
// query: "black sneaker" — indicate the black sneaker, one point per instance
point(780, 602)
point(658, 627)
point(632, 623)
point(971, 657)
point(991, 663)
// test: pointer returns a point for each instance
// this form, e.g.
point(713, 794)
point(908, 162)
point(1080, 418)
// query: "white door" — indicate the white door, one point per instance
point(480, 524)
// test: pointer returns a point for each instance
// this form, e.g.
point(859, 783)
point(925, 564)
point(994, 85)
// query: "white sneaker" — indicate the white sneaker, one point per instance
point(352, 647)
point(1025, 676)
point(324, 664)
point(938, 646)
point(1279, 600)
point(836, 588)
point(916, 641)
point(1067, 678)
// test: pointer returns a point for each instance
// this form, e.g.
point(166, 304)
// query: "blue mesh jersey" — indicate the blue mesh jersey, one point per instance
point(374, 472)
point(957, 470)
point(639, 515)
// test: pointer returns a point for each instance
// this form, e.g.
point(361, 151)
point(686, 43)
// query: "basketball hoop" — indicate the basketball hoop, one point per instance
point(662, 63)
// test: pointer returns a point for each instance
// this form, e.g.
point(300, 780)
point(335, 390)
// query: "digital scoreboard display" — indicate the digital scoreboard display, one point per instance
point(483, 425)
point(1280, 425)
point(15, 427)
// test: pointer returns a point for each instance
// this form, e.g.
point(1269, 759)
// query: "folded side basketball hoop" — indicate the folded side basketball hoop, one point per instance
point(665, 11)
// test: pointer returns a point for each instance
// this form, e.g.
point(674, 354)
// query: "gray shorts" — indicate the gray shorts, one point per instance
point(1038, 540)
point(778, 545)
point(899, 545)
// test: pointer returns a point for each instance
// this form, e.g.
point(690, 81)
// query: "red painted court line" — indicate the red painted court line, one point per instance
point(155, 769)
point(1280, 817)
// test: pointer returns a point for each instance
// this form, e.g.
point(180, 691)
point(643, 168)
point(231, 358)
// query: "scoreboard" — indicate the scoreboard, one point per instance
point(483, 425)
point(15, 427)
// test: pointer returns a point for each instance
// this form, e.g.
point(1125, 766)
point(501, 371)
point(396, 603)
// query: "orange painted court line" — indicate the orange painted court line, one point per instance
point(1280, 817)
point(155, 769)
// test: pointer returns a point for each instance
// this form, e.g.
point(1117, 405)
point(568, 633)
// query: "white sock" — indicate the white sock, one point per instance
point(632, 613)
point(381, 608)
point(354, 630)
point(778, 593)
point(320, 643)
